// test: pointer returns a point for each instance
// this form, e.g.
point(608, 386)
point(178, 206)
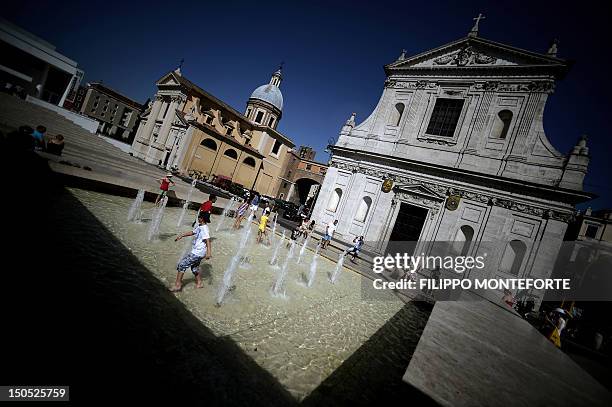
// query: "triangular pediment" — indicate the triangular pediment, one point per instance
point(475, 52)
point(418, 189)
point(170, 79)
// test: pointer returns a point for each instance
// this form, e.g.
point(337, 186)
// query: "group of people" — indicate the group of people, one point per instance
point(27, 138)
point(201, 245)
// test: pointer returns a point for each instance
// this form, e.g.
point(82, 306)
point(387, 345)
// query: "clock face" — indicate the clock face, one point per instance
point(452, 202)
point(387, 185)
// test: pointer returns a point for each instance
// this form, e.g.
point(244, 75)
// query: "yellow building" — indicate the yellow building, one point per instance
point(189, 130)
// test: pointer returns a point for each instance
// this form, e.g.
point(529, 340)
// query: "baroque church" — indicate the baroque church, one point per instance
point(188, 130)
point(456, 151)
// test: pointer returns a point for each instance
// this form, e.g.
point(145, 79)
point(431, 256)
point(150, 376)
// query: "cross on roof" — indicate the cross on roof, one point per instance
point(474, 30)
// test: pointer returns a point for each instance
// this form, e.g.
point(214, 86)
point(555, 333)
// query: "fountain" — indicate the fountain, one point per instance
point(278, 245)
point(338, 269)
point(228, 207)
point(158, 214)
point(274, 230)
point(236, 260)
point(313, 267)
point(186, 204)
point(134, 212)
point(303, 249)
point(282, 274)
point(251, 216)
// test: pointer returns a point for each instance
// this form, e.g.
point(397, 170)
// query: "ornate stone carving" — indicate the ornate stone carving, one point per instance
point(465, 56)
point(484, 59)
point(394, 84)
point(534, 86)
point(462, 57)
point(416, 199)
point(421, 84)
point(491, 85)
point(453, 92)
point(438, 141)
point(389, 83)
point(443, 60)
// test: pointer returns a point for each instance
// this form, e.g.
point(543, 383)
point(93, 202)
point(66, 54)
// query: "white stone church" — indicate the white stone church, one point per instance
point(455, 150)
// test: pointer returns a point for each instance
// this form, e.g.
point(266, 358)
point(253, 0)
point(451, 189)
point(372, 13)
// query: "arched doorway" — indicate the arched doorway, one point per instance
point(305, 191)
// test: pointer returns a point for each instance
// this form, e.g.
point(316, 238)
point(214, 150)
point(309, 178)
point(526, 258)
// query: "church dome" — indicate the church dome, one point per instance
point(270, 92)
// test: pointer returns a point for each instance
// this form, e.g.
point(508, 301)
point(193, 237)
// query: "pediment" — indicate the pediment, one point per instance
point(475, 52)
point(419, 190)
point(180, 119)
point(168, 80)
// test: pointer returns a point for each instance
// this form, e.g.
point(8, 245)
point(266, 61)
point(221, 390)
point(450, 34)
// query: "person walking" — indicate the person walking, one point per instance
point(201, 249)
point(357, 244)
point(329, 233)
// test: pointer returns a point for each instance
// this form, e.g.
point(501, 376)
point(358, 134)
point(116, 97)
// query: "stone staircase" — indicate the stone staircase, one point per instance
point(107, 163)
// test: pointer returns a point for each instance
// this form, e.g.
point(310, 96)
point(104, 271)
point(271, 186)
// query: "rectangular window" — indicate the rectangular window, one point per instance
point(308, 167)
point(591, 231)
point(271, 122)
point(259, 117)
point(126, 116)
point(276, 147)
point(445, 117)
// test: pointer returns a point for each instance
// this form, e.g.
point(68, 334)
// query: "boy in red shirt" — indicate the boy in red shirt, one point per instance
point(207, 206)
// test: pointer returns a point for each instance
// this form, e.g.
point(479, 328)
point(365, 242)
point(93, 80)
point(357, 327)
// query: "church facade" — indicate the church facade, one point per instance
point(188, 130)
point(456, 151)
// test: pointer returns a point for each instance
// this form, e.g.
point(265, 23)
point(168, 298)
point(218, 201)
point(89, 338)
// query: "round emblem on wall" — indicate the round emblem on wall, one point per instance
point(452, 202)
point(387, 185)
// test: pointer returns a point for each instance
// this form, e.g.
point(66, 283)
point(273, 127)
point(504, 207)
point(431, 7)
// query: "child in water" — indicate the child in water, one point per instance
point(263, 222)
point(295, 233)
point(240, 213)
point(200, 250)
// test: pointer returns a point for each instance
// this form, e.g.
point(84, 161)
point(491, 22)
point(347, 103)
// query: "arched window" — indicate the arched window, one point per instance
point(463, 239)
point(502, 124)
point(250, 161)
point(209, 143)
point(334, 200)
point(513, 257)
point(396, 114)
point(231, 153)
point(364, 209)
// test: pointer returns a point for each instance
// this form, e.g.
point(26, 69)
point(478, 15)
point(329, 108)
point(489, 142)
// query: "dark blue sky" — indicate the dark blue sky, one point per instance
point(333, 54)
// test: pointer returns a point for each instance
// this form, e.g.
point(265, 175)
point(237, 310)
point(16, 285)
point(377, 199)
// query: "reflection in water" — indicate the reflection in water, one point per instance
point(300, 340)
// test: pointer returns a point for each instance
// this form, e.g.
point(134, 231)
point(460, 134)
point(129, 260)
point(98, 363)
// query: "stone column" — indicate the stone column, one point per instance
point(147, 133)
point(173, 153)
point(182, 150)
point(290, 193)
point(165, 129)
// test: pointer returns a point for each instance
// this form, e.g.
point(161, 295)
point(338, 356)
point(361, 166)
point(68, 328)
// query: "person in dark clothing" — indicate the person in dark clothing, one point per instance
point(55, 145)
